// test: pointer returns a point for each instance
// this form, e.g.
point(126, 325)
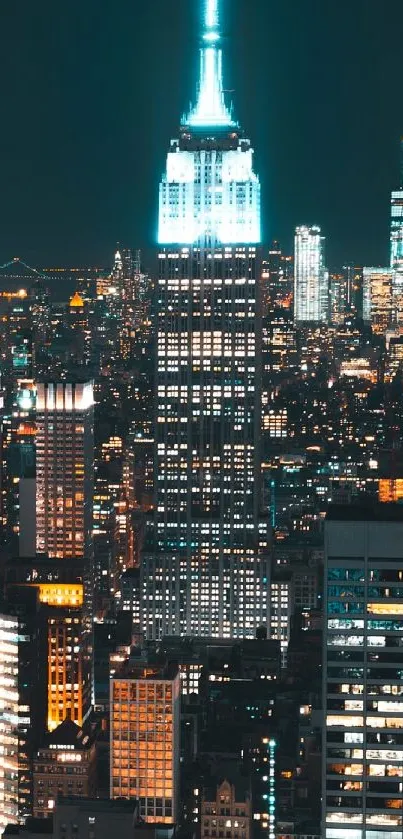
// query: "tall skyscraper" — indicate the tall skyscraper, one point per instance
point(396, 245)
point(64, 469)
point(396, 222)
point(362, 675)
point(204, 569)
point(378, 306)
point(311, 280)
point(64, 531)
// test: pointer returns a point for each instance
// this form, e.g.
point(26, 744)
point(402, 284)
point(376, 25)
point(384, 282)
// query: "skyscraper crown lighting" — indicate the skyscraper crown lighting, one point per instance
point(210, 109)
point(210, 194)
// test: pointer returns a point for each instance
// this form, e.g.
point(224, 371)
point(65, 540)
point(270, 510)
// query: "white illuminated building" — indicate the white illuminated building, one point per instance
point(311, 280)
point(15, 722)
point(210, 194)
point(396, 248)
point(204, 570)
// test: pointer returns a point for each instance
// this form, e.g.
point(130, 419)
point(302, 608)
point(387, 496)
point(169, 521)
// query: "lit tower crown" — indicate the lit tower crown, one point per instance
point(210, 109)
point(210, 194)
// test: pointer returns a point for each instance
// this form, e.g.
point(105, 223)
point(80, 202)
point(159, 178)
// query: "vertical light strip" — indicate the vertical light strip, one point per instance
point(211, 14)
point(270, 795)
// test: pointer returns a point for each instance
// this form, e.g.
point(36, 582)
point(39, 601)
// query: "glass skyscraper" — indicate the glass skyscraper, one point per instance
point(396, 246)
point(362, 674)
point(205, 567)
point(311, 280)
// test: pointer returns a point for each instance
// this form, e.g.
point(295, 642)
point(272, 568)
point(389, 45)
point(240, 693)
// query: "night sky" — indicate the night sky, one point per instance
point(92, 90)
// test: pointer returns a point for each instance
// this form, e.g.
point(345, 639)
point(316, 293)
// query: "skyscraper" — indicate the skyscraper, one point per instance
point(145, 731)
point(396, 244)
point(204, 570)
point(311, 281)
point(64, 469)
point(64, 531)
point(378, 306)
point(362, 677)
point(396, 222)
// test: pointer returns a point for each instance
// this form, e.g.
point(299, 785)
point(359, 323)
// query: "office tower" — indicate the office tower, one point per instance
point(69, 682)
point(20, 457)
point(3, 478)
point(18, 332)
point(40, 312)
point(105, 546)
point(394, 358)
point(79, 330)
point(277, 280)
point(362, 677)
point(338, 298)
point(145, 749)
point(311, 280)
point(64, 531)
point(378, 299)
point(204, 571)
point(396, 222)
point(279, 346)
point(64, 469)
point(62, 623)
point(354, 281)
point(22, 703)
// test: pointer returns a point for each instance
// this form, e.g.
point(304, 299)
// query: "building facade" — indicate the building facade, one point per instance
point(63, 765)
point(362, 675)
point(204, 569)
point(226, 807)
point(311, 280)
point(145, 735)
point(378, 299)
point(64, 469)
point(15, 719)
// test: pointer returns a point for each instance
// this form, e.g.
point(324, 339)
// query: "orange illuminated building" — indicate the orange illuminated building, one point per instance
point(390, 489)
point(68, 685)
point(144, 725)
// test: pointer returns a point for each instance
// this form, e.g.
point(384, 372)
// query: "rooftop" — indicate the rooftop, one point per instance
point(99, 805)
point(138, 669)
point(68, 734)
point(369, 512)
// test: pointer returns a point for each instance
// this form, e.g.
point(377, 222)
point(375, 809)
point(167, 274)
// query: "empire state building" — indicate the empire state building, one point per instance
point(205, 566)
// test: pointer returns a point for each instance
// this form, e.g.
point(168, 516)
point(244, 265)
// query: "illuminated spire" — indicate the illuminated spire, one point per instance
point(210, 110)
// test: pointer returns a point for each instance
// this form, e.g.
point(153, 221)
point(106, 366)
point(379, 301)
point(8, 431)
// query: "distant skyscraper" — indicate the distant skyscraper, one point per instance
point(277, 280)
point(396, 245)
point(378, 307)
point(204, 570)
point(311, 281)
point(396, 225)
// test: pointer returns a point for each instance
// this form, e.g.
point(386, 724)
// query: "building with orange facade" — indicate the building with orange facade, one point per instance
point(145, 732)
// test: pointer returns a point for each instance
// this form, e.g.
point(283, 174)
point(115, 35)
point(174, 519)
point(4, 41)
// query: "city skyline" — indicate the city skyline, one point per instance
point(73, 184)
point(201, 465)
